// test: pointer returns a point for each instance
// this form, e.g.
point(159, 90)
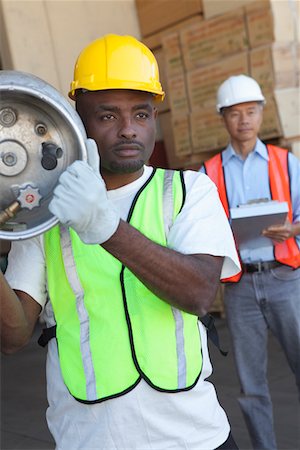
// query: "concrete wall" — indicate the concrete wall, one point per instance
point(44, 37)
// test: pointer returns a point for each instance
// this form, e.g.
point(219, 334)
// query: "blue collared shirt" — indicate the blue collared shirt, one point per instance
point(248, 179)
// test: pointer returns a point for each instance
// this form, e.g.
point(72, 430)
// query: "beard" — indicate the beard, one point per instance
point(126, 166)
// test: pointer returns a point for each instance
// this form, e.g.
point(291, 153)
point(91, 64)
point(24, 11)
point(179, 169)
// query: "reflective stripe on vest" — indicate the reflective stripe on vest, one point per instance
point(166, 353)
point(288, 252)
point(75, 284)
point(168, 217)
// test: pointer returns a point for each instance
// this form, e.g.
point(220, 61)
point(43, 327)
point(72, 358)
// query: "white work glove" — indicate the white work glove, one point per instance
point(80, 200)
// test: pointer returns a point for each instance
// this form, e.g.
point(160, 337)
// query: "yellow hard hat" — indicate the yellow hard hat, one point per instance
point(117, 62)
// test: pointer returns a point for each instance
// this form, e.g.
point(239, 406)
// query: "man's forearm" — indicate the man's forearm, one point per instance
point(188, 282)
point(18, 316)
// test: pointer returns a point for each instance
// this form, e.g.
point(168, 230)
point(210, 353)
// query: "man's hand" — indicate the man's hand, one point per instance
point(80, 200)
point(279, 233)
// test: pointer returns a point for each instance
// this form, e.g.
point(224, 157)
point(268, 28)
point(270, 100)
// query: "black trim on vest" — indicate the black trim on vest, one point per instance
point(134, 357)
point(109, 397)
point(138, 194)
point(209, 322)
point(129, 326)
point(47, 335)
point(172, 391)
point(183, 189)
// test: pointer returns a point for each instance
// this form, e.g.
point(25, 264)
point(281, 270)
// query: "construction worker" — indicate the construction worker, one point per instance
point(122, 281)
point(267, 295)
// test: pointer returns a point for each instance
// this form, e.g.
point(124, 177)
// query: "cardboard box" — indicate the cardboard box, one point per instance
point(160, 58)
point(271, 126)
point(173, 54)
point(194, 161)
point(155, 40)
point(177, 93)
point(291, 144)
point(212, 8)
point(272, 21)
point(288, 105)
point(182, 135)
point(199, 157)
point(176, 159)
point(203, 83)
point(275, 65)
point(155, 15)
point(175, 132)
point(207, 130)
point(268, 20)
point(213, 39)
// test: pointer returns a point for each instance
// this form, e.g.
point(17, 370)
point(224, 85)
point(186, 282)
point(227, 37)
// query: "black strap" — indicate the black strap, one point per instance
point(47, 334)
point(209, 323)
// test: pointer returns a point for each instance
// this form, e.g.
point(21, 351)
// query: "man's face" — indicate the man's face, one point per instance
point(123, 124)
point(243, 121)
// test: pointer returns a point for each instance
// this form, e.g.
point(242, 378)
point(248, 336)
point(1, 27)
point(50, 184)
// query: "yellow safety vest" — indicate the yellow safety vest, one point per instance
point(111, 330)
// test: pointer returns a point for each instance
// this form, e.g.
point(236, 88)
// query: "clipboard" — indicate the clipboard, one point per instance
point(248, 221)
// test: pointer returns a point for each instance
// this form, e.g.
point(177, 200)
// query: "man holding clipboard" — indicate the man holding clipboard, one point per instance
point(266, 296)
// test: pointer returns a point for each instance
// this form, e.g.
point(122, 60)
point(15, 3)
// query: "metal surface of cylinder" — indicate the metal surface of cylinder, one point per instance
point(41, 134)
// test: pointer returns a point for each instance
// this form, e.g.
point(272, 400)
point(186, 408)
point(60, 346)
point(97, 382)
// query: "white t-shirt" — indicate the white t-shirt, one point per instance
point(143, 418)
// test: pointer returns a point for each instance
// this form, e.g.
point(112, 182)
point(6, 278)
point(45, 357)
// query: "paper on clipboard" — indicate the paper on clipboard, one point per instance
point(248, 221)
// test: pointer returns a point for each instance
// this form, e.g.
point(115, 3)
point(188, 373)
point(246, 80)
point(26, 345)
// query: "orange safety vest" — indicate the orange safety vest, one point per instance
point(287, 252)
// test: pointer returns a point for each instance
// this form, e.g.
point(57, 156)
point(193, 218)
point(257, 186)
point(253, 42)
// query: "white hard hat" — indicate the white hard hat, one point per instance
point(238, 89)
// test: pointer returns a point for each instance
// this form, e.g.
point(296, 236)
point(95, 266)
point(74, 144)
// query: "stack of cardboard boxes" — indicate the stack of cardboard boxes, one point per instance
point(200, 43)
point(274, 57)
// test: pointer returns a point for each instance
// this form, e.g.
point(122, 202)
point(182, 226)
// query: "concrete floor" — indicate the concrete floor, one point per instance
point(23, 397)
point(282, 387)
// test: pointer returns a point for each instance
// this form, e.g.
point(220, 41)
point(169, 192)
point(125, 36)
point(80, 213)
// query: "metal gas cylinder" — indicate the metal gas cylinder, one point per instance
point(41, 134)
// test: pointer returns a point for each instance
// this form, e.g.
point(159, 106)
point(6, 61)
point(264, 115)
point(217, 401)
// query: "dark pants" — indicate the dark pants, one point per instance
point(229, 444)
